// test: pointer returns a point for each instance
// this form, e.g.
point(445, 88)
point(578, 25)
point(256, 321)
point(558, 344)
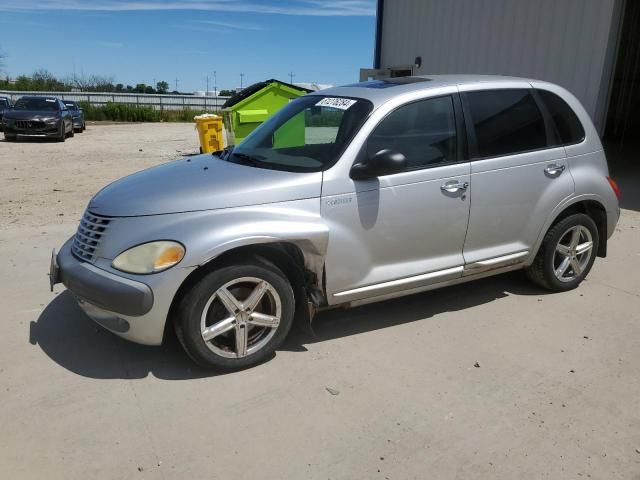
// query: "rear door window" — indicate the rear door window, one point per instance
point(505, 122)
point(568, 129)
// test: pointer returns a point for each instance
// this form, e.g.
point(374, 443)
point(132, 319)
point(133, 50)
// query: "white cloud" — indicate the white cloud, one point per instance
point(293, 7)
point(110, 44)
point(231, 25)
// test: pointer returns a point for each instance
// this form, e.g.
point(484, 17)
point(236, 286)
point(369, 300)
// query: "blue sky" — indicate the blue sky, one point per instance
point(324, 41)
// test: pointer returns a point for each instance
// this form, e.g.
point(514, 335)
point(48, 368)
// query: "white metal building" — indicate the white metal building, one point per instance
point(591, 47)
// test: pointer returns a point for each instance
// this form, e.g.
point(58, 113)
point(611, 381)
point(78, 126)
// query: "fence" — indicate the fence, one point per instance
point(159, 102)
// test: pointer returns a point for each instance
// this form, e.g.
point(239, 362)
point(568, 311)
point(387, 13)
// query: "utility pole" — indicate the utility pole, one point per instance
point(241, 79)
point(176, 84)
point(215, 84)
point(206, 94)
point(291, 75)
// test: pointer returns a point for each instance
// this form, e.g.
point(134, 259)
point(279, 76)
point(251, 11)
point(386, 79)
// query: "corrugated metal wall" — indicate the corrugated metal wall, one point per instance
point(562, 41)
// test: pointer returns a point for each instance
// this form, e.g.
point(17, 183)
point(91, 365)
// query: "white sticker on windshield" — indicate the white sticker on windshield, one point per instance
point(49, 100)
point(335, 102)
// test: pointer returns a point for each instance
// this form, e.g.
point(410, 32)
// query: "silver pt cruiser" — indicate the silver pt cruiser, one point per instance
point(346, 196)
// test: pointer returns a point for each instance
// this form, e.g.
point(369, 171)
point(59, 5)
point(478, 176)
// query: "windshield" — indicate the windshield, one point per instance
point(71, 105)
point(4, 102)
point(307, 135)
point(42, 104)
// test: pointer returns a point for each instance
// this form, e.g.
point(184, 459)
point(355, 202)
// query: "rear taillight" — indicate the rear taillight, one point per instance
point(615, 187)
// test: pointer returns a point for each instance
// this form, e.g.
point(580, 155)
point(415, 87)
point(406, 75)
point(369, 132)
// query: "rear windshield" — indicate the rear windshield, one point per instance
point(41, 104)
point(71, 105)
point(4, 102)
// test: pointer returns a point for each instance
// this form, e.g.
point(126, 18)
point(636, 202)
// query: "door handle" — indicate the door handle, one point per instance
point(554, 170)
point(454, 186)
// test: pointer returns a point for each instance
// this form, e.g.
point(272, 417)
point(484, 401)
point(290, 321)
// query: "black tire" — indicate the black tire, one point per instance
point(542, 270)
point(62, 135)
point(72, 131)
point(84, 126)
point(190, 309)
point(9, 138)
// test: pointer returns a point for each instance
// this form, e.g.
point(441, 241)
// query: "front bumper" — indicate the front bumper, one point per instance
point(124, 306)
point(103, 289)
point(47, 131)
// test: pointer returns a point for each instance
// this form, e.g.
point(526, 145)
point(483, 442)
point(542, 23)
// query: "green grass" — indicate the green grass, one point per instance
point(122, 112)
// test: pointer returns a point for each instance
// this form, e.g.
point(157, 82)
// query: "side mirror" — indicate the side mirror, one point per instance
point(385, 162)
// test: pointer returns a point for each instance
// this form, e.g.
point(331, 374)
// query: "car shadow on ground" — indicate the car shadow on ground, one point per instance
point(418, 307)
point(31, 140)
point(73, 341)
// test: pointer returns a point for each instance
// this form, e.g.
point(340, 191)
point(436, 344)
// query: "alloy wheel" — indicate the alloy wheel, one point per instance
point(572, 253)
point(241, 317)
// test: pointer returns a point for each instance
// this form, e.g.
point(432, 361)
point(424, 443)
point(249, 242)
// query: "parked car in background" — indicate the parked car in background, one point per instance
point(77, 114)
point(5, 104)
point(346, 196)
point(38, 117)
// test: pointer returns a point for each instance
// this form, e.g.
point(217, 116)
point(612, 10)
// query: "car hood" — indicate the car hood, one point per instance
point(28, 115)
point(202, 182)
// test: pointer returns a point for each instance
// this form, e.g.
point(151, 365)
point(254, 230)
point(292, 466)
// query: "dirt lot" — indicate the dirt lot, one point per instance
point(43, 182)
point(555, 393)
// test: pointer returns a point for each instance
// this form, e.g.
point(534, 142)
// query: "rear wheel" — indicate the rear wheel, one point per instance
point(566, 255)
point(72, 131)
point(235, 317)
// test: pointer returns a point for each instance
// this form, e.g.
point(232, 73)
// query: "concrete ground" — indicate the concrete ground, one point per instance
point(383, 391)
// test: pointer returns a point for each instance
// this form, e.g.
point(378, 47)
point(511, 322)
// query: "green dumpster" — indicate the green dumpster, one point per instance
point(243, 112)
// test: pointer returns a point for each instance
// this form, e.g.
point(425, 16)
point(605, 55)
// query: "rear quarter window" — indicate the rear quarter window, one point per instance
point(568, 128)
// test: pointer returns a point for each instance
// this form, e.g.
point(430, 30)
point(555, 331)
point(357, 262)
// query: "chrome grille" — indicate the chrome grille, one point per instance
point(26, 124)
point(90, 232)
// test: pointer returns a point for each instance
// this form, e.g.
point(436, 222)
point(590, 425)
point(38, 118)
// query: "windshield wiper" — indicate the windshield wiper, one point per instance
point(223, 154)
point(247, 159)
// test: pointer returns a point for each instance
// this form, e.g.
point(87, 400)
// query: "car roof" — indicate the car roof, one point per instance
point(33, 97)
point(379, 91)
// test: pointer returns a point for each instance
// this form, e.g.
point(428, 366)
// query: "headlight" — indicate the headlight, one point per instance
point(51, 121)
point(150, 257)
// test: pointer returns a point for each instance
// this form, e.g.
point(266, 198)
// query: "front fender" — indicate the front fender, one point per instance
point(208, 234)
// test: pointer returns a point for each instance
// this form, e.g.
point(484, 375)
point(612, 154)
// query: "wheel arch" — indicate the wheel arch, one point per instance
point(288, 256)
point(589, 206)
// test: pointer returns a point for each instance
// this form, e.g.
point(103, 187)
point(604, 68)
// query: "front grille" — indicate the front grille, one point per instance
point(90, 232)
point(27, 124)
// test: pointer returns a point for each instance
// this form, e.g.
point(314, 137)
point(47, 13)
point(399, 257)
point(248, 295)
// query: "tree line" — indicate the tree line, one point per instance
point(43, 80)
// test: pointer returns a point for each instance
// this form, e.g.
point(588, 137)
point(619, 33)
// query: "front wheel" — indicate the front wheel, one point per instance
point(566, 255)
point(62, 134)
point(235, 317)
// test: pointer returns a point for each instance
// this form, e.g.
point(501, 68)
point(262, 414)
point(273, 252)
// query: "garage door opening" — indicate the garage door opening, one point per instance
point(622, 130)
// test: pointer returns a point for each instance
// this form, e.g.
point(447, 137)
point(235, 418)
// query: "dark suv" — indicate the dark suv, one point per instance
point(78, 115)
point(38, 117)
